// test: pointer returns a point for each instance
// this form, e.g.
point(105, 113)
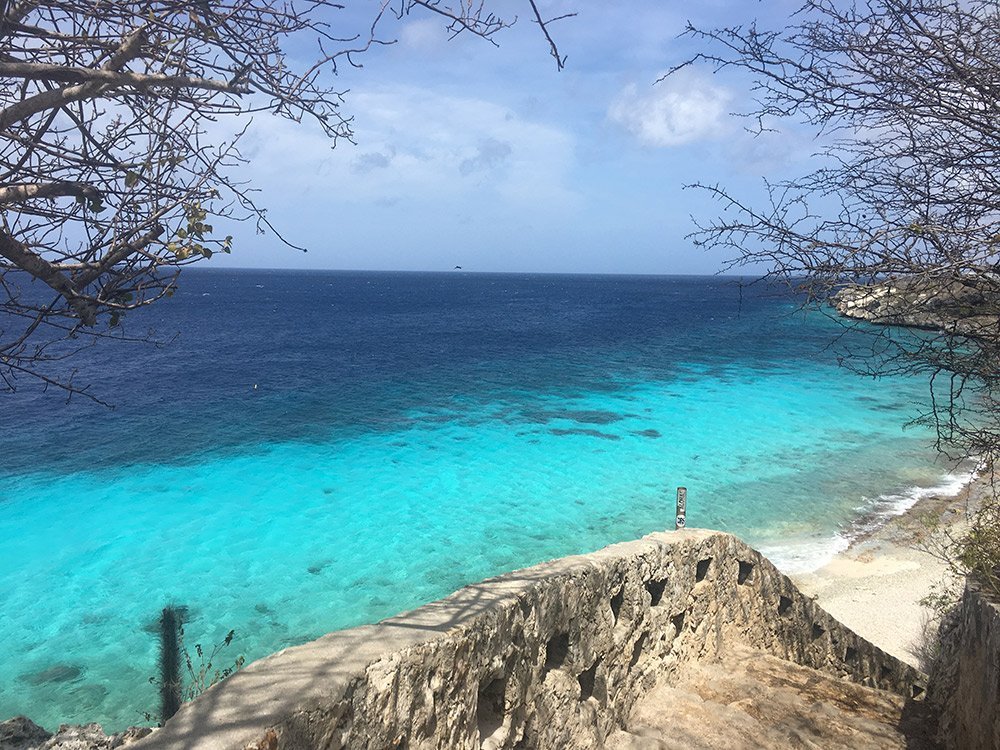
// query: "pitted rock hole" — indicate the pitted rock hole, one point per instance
point(678, 623)
point(655, 589)
point(917, 691)
point(637, 649)
point(526, 607)
point(489, 709)
point(817, 631)
point(430, 725)
point(851, 655)
point(746, 570)
point(588, 681)
point(884, 673)
point(616, 602)
point(702, 570)
point(556, 652)
point(784, 604)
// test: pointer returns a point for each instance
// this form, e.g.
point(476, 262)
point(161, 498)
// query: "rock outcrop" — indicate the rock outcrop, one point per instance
point(749, 699)
point(966, 684)
point(951, 305)
point(555, 656)
point(20, 733)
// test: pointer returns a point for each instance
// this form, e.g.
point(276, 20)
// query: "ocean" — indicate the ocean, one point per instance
point(310, 451)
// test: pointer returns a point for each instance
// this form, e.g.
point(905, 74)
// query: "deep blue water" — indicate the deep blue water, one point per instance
point(314, 450)
point(358, 350)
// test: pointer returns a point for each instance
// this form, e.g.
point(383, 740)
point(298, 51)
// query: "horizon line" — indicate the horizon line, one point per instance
point(200, 267)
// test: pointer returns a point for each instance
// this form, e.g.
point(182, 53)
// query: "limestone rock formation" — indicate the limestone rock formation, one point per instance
point(966, 686)
point(749, 699)
point(20, 733)
point(952, 305)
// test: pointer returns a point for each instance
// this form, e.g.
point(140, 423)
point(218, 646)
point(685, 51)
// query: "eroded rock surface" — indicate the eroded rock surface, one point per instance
point(943, 305)
point(21, 733)
point(966, 687)
point(747, 699)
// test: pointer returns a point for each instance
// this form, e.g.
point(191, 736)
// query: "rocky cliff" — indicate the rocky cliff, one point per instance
point(966, 685)
point(952, 305)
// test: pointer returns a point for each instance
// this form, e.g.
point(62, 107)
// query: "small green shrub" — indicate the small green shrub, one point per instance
point(978, 552)
point(969, 548)
point(202, 672)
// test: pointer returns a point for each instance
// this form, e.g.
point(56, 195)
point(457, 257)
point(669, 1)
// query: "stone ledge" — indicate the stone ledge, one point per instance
point(966, 681)
point(551, 656)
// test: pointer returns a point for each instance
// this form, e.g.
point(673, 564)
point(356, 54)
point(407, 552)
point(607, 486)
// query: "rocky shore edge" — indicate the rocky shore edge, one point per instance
point(21, 733)
point(950, 305)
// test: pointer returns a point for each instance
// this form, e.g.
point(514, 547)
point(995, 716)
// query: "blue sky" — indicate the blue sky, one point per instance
point(489, 158)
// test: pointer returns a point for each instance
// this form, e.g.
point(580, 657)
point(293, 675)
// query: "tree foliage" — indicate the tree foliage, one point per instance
point(113, 170)
point(903, 97)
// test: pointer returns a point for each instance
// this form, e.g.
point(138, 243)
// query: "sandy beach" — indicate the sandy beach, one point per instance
point(875, 586)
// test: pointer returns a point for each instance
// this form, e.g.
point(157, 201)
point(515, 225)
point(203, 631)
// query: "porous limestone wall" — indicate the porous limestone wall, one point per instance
point(965, 687)
point(553, 656)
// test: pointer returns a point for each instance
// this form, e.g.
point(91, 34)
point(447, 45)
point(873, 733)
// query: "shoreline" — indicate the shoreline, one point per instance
point(875, 585)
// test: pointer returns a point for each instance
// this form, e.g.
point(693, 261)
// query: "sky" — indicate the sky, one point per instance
point(491, 159)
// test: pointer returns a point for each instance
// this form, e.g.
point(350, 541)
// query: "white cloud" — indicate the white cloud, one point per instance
point(424, 35)
point(684, 108)
point(416, 144)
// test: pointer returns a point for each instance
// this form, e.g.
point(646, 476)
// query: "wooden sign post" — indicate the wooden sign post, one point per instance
point(682, 499)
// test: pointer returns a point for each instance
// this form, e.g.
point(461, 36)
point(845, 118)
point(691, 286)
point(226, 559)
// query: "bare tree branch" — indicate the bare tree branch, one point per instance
point(109, 181)
point(900, 222)
point(544, 26)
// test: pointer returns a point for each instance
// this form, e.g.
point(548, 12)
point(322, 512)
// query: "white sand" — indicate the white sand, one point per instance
point(876, 585)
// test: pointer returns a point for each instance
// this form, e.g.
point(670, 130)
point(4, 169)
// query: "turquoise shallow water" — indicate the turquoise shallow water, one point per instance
point(452, 475)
